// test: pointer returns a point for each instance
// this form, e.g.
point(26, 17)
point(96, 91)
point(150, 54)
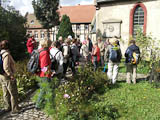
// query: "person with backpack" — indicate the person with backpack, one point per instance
point(132, 56)
point(8, 81)
point(113, 57)
point(95, 56)
point(56, 59)
point(31, 43)
point(44, 71)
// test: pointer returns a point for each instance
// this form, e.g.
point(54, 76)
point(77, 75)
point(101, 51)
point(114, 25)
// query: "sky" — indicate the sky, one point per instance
point(26, 5)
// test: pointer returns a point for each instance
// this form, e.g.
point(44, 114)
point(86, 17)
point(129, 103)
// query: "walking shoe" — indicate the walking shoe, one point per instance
point(7, 110)
point(15, 112)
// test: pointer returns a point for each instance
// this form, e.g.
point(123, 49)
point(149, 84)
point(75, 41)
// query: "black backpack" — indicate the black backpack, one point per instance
point(54, 62)
point(1, 64)
point(33, 63)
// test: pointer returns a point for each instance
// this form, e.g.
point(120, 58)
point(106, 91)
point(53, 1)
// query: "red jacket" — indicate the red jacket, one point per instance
point(96, 52)
point(44, 63)
point(30, 45)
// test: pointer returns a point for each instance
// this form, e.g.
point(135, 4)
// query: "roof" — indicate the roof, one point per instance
point(102, 1)
point(32, 22)
point(106, 0)
point(79, 13)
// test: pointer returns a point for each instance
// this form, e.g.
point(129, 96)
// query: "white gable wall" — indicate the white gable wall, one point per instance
point(122, 12)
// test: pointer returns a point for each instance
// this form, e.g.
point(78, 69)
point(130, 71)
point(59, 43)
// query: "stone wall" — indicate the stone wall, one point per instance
point(121, 11)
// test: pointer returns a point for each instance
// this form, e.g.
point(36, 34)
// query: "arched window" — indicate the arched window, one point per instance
point(138, 19)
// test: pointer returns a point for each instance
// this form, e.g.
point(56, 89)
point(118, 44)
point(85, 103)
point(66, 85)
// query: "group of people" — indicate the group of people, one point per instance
point(108, 53)
point(99, 52)
point(66, 53)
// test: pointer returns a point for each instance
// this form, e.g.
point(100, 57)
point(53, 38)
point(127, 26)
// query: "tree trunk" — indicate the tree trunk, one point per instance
point(48, 35)
point(152, 74)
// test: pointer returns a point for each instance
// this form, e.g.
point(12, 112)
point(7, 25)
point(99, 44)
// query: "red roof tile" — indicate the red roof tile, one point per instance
point(79, 13)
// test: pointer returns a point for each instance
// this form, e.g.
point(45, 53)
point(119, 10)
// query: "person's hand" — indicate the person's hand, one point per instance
point(53, 73)
point(12, 78)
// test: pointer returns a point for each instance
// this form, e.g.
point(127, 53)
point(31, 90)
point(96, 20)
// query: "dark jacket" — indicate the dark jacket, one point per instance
point(90, 45)
point(129, 51)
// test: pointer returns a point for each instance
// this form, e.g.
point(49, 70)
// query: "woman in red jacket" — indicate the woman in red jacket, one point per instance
point(95, 55)
point(30, 44)
point(45, 72)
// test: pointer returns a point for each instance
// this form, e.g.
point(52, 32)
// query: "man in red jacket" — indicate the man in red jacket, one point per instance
point(31, 44)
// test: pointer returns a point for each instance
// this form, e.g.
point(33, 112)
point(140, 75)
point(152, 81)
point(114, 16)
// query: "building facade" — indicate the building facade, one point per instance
point(35, 28)
point(122, 18)
point(80, 16)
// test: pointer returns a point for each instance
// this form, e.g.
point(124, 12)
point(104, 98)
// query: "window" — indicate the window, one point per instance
point(36, 34)
point(78, 27)
point(29, 33)
point(42, 34)
point(86, 27)
point(138, 19)
point(32, 21)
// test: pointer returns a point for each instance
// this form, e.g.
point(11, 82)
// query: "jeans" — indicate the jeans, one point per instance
point(102, 60)
point(65, 66)
point(40, 103)
point(95, 64)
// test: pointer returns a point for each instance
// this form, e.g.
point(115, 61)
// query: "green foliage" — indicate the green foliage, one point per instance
point(71, 100)
point(12, 28)
point(65, 28)
point(149, 47)
point(46, 12)
point(25, 80)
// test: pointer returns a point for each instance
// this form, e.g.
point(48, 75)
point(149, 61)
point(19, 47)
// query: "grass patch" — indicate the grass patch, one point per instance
point(130, 102)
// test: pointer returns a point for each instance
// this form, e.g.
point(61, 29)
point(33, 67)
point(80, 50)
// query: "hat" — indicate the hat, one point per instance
point(70, 37)
point(95, 43)
point(113, 41)
point(84, 42)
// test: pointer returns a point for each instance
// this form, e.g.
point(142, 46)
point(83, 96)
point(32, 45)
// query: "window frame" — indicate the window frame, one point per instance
point(132, 18)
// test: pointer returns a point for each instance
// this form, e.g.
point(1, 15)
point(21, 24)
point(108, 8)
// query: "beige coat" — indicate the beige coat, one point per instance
point(8, 63)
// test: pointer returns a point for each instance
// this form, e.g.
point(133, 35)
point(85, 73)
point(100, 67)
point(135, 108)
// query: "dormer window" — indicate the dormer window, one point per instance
point(32, 22)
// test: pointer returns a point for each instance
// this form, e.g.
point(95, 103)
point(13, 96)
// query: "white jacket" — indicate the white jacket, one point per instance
point(84, 50)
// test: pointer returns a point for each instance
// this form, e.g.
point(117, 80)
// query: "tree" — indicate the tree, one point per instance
point(46, 12)
point(149, 47)
point(65, 28)
point(12, 28)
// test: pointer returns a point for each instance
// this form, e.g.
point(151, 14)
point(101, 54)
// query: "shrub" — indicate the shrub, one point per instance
point(71, 100)
point(65, 28)
point(25, 80)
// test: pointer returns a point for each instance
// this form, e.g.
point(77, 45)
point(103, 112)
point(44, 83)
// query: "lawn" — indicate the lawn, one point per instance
point(130, 102)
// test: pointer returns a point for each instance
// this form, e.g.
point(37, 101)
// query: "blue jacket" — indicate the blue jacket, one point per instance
point(129, 51)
